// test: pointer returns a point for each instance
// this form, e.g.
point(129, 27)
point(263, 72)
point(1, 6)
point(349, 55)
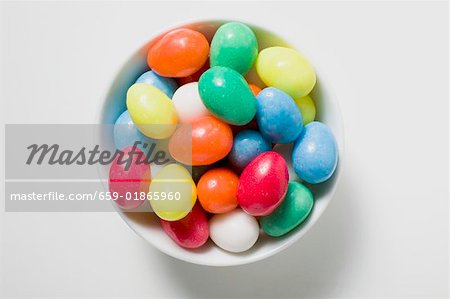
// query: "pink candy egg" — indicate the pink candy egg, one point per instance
point(127, 182)
point(263, 184)
point(191, 231)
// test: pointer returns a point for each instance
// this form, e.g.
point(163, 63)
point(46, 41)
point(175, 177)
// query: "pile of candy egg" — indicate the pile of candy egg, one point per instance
point(239, 186)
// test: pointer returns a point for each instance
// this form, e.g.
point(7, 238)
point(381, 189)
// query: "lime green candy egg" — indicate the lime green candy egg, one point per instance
point(226, 94)
point(294, 209)
point(151, 110)
point(234, 45)
point(286, 69)
point(172, 192)
point(307, 108)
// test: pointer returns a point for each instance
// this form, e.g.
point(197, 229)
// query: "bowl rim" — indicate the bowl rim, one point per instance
point(340, 142)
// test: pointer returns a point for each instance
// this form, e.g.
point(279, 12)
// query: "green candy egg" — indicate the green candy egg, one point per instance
point(234, 45)
point(227, 95)
point(294, 209)
point(307, 108)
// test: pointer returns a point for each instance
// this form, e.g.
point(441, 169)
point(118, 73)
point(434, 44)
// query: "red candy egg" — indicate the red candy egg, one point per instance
point(126, 180)
point(179, 53)
point(205, 141)
point(263, 184)
point(191, 231)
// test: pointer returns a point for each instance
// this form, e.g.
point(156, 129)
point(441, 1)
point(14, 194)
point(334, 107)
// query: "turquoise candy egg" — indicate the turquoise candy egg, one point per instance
point(315, 153)
point(278, 117)
point(234, 45)
point(166, 85)
point(126, 133)
point(295, 208)
point(226, 94)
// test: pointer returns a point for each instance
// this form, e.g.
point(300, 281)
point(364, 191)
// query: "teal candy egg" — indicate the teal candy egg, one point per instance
point(294, 209)
point(235, 46)
point(226, 94)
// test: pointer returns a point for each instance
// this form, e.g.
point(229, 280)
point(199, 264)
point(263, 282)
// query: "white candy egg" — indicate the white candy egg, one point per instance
point(188, 103)
point(235, 231)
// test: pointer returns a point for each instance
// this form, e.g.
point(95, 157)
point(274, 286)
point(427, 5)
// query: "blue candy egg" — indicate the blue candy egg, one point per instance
point(246, 146)
point(315, 153)
point(279, 119)
point(167, 85)
point(126, 133)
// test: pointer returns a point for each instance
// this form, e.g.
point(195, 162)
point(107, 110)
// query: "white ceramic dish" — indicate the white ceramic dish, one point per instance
point(147, 225)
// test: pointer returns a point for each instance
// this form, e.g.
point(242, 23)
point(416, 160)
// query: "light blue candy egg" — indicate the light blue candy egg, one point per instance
point(126, 133)
point(315, 153)
point(246, 146)
point(167, 85)
point(279, 119)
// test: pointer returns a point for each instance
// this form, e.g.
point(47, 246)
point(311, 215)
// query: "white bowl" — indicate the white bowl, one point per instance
point(147, 225)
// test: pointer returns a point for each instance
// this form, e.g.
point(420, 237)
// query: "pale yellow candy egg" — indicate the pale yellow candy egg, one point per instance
point(286, 69)
point(307, 107)
point(172, 192)
point(151, 111)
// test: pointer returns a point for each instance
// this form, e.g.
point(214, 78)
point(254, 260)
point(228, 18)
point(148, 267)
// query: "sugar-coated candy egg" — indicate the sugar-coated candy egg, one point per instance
point(227, 95)
point(235, 231)
point(203, 142)
point(315, 153)
point(179, 53)
point(192, 231)
point(263, 184)
point(127, 134)
point(279, 119)
point(172, 192)
point(246, 146)
point(234, 45)
point(151, 110)
point(294, 209)
point(195, 76)
point(188, 104)
point(128, 175)
point(286, 69)
point(217, 190)
point(166, 85)
point(255, 89)
point(307, 107)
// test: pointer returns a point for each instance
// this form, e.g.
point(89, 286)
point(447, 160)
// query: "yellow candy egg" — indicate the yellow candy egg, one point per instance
point(151, 110)
point(286, 69)
point(172, 192)
point(307, 107)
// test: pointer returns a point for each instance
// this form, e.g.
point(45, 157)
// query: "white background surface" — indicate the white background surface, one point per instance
point(385, 234)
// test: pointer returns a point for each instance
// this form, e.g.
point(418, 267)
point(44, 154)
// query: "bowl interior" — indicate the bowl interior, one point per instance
point(147, 224)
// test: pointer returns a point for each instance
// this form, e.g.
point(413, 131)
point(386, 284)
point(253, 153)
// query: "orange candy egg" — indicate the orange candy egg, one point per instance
point(217, 190)
point(203, 142)
point(255, 89)
point(179, 53)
